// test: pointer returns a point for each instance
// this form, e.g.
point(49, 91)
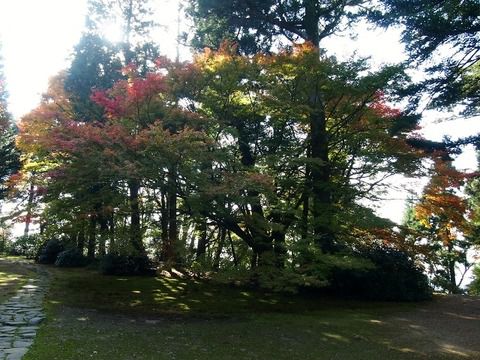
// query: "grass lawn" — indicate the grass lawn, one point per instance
point(91, 316)
point(12, 276)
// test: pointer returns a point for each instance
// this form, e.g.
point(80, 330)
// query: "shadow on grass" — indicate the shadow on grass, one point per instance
point(174, 318)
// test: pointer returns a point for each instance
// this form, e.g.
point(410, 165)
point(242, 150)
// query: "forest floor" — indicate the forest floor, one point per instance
point(90, 316)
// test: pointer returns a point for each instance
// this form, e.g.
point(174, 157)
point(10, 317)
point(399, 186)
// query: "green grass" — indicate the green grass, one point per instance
point(13, 274)
point(105, 317)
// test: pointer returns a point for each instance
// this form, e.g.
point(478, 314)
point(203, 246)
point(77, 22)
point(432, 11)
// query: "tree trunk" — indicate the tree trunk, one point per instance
point(202, 240)
point(218, 252)
point(320, 166)
point(320, 176)
point(164, 224)
point(279, 248)
point(451, 272)
point(92, 237)
point(81, 239)
point(28, 217)
point(234, 255)
point(135, 230)
point(170, 255)
point(102, 220)
point(111, 227)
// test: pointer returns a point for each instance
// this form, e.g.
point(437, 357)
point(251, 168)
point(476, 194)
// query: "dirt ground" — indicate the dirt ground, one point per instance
point(447, 325)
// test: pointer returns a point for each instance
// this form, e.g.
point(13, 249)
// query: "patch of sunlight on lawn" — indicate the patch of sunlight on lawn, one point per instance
point(453, 350)
point(271, 301)
point(184, 306)
point(164, 298)
point(336, 337)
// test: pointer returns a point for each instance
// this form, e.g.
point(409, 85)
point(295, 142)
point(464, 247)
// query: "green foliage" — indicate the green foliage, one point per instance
point(114, 264)
point(444, 35)
point(9, 154)
point(258, 25)
point(474, 286)
point(71, 258)
point(395, 277)
point(26, 245)
point(94, 66)
point(49, 251)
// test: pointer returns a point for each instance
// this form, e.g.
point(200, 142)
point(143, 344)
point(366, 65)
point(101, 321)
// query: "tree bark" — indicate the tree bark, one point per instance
point(102, 220)
point(202, 240)
point(170, 255)
point(92, 236)
point(218, 252)
point(28, 217)
point(111, 227)
point(234, 255)
point(135, 230)
point(81, 239)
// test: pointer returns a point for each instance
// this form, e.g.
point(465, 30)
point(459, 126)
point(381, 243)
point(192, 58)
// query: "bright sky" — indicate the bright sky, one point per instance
point(38, 37)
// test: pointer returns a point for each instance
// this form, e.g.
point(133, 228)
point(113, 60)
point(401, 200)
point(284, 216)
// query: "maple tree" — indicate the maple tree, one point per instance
point(97, 168)
point(441, 219)
point(260, 189)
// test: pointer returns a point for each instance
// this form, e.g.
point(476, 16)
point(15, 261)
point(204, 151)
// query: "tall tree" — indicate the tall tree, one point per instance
point(443, 36)
point(258, 25)
point(258, 186)
point(440, 219)
point(9, 156)
point(261, 26)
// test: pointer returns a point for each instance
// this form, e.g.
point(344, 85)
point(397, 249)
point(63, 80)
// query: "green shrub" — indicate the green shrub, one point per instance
point(474, 287)
point(395, 277)
point(26, 245)
point(71, 258)
point(49, 251)
point(113, 264)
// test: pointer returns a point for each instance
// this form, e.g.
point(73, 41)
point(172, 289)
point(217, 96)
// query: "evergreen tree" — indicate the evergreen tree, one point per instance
point(443, 36)
point(9, 156)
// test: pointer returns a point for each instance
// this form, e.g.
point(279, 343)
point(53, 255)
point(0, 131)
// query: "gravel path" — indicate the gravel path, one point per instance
point(20, 317)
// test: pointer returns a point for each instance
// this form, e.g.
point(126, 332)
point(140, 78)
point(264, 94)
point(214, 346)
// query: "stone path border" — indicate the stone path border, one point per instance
point(20, 317)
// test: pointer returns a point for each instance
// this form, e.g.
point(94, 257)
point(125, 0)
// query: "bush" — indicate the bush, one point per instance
point(70, 258)
point(26, 245)
point(474, 286)
point(395, 277)
point(113, 264)
point(49, 251)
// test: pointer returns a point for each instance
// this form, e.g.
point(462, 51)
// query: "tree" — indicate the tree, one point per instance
point(97, 63)
point(256, 25)
point(97, 169)
point(9, 156)
point(259, 186)
point(443, 35)
point(441, 219)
